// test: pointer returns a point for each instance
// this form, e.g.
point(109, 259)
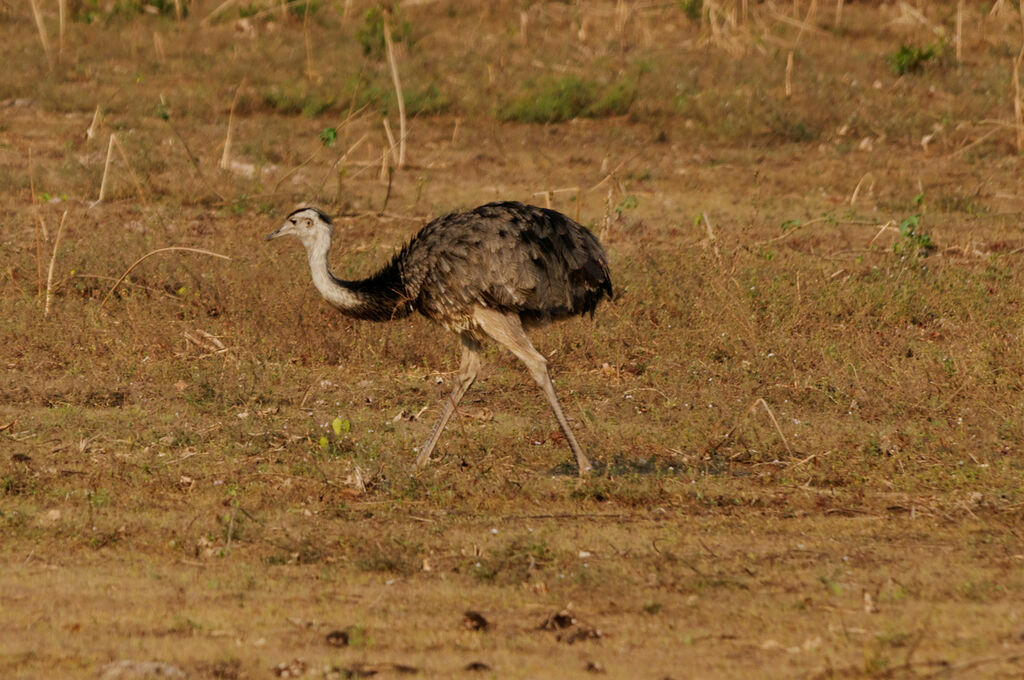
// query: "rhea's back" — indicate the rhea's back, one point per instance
point(507, 256)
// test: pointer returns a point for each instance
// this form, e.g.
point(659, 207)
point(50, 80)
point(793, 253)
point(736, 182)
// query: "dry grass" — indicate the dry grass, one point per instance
point(804, 404)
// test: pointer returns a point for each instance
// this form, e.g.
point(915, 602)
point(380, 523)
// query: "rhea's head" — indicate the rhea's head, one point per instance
point(309, 224)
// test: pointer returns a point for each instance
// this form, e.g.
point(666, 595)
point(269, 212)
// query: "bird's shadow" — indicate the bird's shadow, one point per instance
point(621, 466)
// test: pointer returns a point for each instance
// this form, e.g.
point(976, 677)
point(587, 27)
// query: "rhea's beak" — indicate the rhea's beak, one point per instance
point(274, 234)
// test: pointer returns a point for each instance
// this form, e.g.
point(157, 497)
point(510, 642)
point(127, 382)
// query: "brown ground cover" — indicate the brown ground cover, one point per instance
point(804, 406)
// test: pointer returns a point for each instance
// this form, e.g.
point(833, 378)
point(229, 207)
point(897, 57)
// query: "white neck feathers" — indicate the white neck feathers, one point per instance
point(332, 290)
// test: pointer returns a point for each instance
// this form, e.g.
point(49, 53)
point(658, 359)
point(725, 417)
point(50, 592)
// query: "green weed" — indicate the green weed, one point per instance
point(910, 59)
point(913, 240)
point(328, 136)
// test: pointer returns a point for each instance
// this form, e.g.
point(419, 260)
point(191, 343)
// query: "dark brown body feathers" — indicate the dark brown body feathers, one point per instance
point(507, 256)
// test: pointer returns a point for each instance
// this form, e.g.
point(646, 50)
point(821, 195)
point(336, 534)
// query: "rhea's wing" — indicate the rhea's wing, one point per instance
point(508, 256)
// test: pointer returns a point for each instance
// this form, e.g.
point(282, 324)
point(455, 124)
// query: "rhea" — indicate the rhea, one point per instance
point(491, 272)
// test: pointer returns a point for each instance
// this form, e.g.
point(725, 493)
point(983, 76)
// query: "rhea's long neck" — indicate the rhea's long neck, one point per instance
point(380, 297)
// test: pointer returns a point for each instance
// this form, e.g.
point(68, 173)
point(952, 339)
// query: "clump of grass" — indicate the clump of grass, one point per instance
point(560, 99)
point(428, 101)
point(551, 101)
point(371, 34)
point(790, 126)
point(910, 59)
point(514, 563)
point(693, 9)
point(299, 9)
point(397, 556)
point(294, 99)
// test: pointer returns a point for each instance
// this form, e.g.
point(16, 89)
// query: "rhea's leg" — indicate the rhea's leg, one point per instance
point(507, 329)
point(467, 374)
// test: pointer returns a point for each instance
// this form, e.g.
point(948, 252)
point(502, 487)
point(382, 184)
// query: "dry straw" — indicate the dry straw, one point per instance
point(225, 159)
point(104, 182)
point(550, 193)
point(158, 47)
point(53, 262)
point(959, 40)
point(391, 140)
point(309, 43)
point(750, 410)
point(43, 39)
point(789, 74)
point(868, 176)
point(711, 240)
point(95, 124)
point(106, 169)
point(223, 7)
point(393, 62)
point(61, 13)
point(1018, 97)
point(40, 225)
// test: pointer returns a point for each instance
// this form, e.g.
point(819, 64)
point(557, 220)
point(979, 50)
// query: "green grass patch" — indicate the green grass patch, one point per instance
point(555, 100)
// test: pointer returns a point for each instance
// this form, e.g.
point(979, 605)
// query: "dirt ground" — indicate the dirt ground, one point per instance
point(805, 405)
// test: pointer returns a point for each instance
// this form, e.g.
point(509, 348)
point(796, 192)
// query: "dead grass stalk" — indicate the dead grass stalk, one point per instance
point(225, 159)
point(41, 27)
point(53, 262)
point(222, 7)
point(61, 13)
point(309, 43)
point(789, 74)
point(711, 240)
point(131, 171)
point(856, 190)
point(959, 39)
point(391, 139)
point(94, 125)
point(393, 63)
point(39, 224)
point(1018, 98)
point(158, 47)
point(106, 170)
